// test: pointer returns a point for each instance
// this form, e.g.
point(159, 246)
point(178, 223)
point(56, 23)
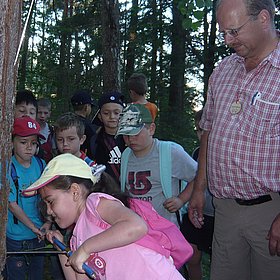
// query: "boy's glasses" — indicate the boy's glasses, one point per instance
point(235, 31)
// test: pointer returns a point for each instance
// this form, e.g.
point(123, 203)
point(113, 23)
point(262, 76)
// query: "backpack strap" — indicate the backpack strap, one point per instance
point(123, 171)
point(165, 167)
point(15, 180)
point(40, 163)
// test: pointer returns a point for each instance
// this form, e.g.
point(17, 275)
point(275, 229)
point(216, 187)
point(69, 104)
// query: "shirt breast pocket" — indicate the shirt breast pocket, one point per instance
point(261, 120)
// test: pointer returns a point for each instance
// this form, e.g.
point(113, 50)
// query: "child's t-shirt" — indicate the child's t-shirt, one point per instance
point(26, 176)
point(124, 263)
point(143, 176)
point(152, 107)
point(107, 150)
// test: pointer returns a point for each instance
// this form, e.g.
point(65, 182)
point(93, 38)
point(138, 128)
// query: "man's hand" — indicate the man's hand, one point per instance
point(274, 237)
point(195, 208)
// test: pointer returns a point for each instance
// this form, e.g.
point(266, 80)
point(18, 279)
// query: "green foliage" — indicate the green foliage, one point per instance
point(65, 53)
point(193, 11)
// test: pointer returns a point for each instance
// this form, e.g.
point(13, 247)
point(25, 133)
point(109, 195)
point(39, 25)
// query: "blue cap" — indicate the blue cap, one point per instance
point(111, 97)
point(82, 97)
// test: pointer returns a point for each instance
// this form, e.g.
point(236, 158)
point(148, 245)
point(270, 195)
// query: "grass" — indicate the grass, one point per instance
point(206, 266)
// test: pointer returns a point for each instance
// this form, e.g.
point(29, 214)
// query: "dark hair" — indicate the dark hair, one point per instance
point(26, 96)
point(68, 120)
point(106, 184)
point(138, 83)
point(254, 7)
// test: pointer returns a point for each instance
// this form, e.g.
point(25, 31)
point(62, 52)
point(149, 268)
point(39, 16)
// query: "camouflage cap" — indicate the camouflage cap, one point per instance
point(133, 119)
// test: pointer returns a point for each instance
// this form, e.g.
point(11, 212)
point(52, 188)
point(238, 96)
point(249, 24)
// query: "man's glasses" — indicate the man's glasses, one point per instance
point(235, 31)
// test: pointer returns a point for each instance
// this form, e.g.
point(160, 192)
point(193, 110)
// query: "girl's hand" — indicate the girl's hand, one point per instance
point(54, 233)
point(77, 259)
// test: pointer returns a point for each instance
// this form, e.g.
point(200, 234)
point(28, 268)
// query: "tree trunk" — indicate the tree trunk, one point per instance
point(22, 72)
point(63, 74)
point(155, 47)
point(9, 40)
point(111, 45)
point(177, 67)
point(132, 33)
point(209, 48)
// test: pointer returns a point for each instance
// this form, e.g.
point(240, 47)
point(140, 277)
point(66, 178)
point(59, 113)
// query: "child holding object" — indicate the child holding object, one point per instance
point(25, 228)
point(105, 232)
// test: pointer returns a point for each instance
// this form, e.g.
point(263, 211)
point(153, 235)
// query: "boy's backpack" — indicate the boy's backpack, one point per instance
point(163, 236)
point(165, 167)
point(15, 179)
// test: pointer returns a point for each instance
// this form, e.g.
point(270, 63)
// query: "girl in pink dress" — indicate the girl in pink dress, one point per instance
point(105, 230)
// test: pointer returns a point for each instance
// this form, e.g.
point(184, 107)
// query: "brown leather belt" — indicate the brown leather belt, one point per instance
point(254, 201)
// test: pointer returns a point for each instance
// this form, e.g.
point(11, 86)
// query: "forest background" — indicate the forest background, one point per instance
point(97, 45)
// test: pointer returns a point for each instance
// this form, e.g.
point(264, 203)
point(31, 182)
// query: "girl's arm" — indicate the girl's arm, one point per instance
point(126, 228)
point(68, 271)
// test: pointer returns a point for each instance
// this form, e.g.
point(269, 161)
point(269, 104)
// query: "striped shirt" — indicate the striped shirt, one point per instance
point(243, 157)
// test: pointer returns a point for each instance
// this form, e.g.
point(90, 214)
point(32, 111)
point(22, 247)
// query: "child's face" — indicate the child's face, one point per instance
point(43, 114)
point(25, 148)
point(109, 115)
point(141, 142)
point(60, 205)
point(24, 109)
point(68, 141)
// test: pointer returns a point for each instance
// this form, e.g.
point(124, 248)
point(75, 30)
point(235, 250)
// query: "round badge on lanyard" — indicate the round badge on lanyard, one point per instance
point(235, 107)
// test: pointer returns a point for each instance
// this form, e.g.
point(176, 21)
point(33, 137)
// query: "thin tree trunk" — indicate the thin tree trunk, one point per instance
point(9, 40)
point(209, 48)
point(111, 45)
point(132, 40)
point(177, 67)
point(155, 44)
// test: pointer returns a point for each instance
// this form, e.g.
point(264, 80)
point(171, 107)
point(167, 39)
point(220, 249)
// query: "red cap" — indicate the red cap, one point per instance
point(26, 126)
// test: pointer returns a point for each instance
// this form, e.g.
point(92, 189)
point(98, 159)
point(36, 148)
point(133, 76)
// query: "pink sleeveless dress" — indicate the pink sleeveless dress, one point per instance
point(124, 263)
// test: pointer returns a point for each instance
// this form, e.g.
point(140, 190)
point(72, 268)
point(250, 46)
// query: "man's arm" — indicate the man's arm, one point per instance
point(195, 207)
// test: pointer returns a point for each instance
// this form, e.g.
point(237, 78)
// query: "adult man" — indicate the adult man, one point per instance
point(240, 143)
point(82, 104)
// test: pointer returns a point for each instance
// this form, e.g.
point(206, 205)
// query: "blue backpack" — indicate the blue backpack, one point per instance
point(165, 167)
point(15, 179)
point(163, 236)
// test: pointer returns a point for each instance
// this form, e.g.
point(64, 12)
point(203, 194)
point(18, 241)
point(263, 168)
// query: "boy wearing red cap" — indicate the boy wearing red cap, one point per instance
point(25, 229)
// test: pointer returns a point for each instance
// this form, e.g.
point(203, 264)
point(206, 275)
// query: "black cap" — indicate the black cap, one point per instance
point(111, 97)
point(82, 97)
